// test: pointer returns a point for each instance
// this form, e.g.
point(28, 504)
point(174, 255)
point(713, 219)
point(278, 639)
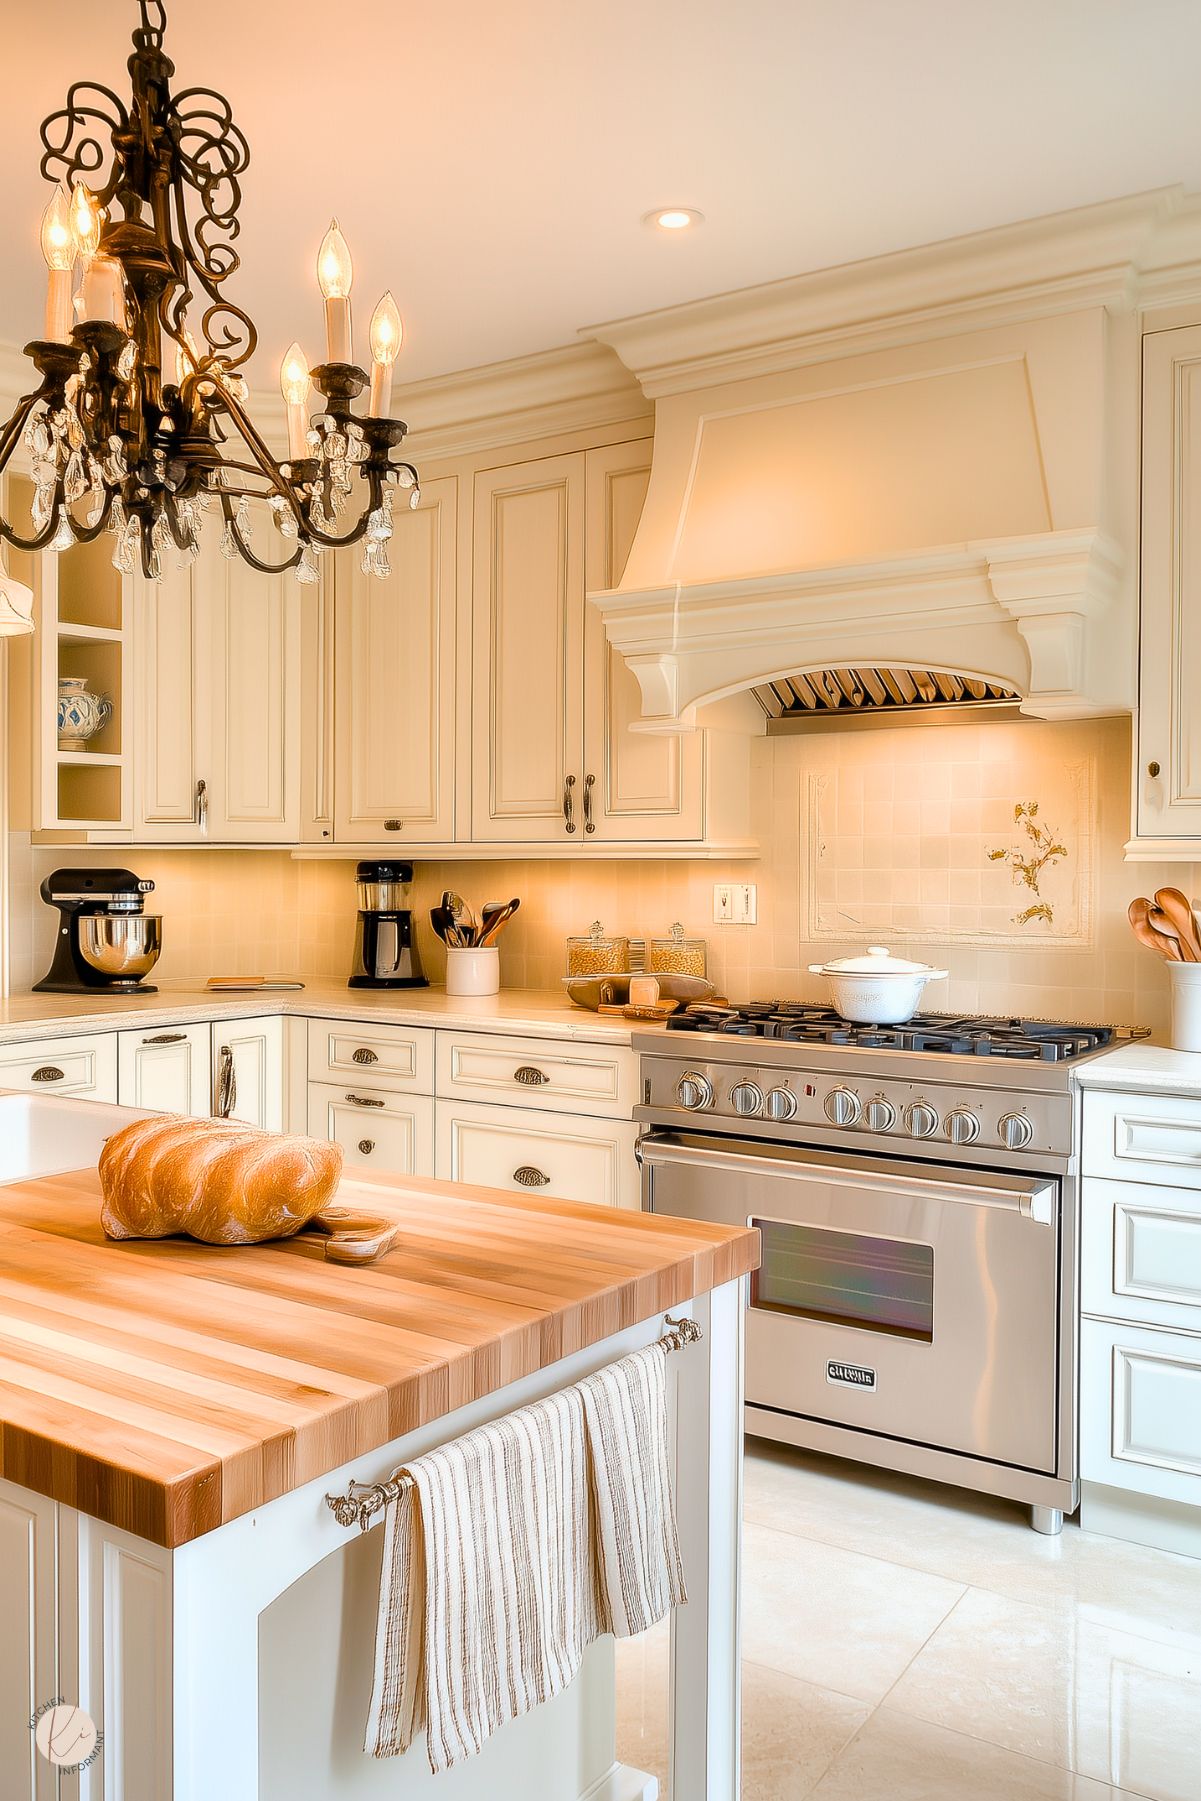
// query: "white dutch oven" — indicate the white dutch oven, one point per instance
point(876, 989)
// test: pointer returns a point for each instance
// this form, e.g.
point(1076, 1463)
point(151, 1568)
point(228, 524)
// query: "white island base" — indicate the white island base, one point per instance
point(238, 1666)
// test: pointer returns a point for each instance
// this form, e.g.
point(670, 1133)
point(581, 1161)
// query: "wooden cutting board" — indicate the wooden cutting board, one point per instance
point(167, 1386)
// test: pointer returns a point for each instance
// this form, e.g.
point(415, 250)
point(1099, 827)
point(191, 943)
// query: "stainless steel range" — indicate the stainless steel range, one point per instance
point(915, 1188)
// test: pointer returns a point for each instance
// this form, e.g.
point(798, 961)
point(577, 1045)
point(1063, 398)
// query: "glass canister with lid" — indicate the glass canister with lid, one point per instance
point(677, 954)
point(599, 954)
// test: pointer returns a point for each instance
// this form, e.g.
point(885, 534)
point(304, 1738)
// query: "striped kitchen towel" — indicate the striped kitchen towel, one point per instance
point(508, 1551)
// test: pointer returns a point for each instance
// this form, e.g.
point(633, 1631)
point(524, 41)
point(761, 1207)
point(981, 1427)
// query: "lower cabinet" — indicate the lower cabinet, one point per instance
point(168, 1070)
point(248, 1071)
point(376, 1128)
point(29, 1603)
point(572, 1156)
point(85, 1066)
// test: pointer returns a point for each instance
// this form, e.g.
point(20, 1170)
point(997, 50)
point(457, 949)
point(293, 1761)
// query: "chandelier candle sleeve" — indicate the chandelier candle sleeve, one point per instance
point(58, 248)
point(335, 276)
point(386, 332)
point(103, 295)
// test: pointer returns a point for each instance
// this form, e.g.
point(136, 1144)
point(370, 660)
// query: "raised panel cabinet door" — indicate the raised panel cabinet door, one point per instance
point(167, 1069)
point(644, 786)
point(569, 1156)
point(376, 1129)
point(170, 741)
point(1169, 732)
point(394, 705)
point(253, 683)
point(248, 1072)
point(527, 652)
point(28, 1643)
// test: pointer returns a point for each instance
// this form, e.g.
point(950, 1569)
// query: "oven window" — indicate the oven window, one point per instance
point(881, 1284)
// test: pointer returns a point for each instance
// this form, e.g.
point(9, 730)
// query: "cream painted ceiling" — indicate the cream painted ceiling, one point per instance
point(491, 163)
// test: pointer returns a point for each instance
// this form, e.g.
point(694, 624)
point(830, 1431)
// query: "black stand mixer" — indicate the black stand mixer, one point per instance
point(105, 938)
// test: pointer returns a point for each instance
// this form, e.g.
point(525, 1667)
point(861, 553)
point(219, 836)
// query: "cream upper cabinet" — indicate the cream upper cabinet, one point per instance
point(640, 785)
point(1168, 778)
point(219, 704)
point(527, 652)
point(394, 683)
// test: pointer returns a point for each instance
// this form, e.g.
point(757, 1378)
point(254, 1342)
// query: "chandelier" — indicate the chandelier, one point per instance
point(117, 442)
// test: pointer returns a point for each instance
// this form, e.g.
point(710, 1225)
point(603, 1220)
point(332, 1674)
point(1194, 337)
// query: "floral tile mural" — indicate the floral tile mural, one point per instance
point(949, 845)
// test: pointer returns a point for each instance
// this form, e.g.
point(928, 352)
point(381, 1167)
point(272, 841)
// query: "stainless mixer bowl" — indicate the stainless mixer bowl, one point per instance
point(123, 947)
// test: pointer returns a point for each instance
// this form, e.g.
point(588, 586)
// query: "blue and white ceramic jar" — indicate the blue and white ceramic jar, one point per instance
point(81, 714)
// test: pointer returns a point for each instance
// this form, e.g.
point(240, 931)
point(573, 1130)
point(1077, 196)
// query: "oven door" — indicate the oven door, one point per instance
point(914, 1300)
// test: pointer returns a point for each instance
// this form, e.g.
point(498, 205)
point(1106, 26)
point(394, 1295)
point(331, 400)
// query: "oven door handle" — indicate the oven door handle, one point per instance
point(1032, 1198)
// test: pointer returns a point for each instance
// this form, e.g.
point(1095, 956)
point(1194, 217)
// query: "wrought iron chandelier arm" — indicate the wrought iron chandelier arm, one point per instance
point(69, 147)
point(10, 437)
point(244, 549)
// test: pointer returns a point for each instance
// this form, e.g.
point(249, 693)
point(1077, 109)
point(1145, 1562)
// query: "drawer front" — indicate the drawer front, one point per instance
point(1140, 1255)
point(571, 1158)
point(1143, 1138)
point(84, 1065)
point(1140, 1417)
point(167, 1070)
point(399, 1057)
point(376, 1128)
point(538, 1072)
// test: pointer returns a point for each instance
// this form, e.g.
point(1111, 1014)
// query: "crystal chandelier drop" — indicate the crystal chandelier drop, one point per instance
point(117, 442)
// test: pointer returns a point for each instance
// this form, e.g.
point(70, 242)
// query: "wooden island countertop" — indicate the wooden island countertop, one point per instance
point(168, 1387)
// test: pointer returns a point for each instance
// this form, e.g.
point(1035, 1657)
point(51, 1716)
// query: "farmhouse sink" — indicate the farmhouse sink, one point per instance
point(41, 1134)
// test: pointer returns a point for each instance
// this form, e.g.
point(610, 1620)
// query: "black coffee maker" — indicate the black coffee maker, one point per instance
point(385, 943)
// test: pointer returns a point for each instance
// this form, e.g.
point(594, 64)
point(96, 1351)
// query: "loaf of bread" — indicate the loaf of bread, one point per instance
point(215, 1180)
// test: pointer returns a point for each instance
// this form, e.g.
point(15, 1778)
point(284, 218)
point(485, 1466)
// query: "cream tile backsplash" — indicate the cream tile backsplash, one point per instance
point(866, 836)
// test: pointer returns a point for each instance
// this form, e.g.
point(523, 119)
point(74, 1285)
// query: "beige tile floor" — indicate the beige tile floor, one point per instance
point(908, 1642)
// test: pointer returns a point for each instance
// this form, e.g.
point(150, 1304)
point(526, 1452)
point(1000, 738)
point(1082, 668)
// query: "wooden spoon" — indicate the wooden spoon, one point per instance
point(1178, 912)
point(1140, 924)
point(1160, 923)
point(499, 921)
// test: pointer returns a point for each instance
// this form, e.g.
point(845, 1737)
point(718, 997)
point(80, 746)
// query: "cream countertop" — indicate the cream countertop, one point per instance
point(533, 1012)
point(1143, 1068)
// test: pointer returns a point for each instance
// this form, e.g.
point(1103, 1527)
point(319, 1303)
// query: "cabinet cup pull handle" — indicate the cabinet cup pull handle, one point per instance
point(201, 811)
point(227, 1083)
point(394, 825)
point(568, 803)
point(366, 1146)
point(363, 1100)
point(47, 1073)
point(529, 1177)
point(166, 1038)
point(529, 1076)
point(363, 1055)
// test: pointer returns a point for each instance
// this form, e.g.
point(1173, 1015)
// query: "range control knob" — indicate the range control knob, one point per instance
point(693, 1091)
point(746, 1098)
point(920, 1119)
point(843, 1107)
point(1016, 1131)
point(961, 1126)
point(881, 1114)
point(781, 1104)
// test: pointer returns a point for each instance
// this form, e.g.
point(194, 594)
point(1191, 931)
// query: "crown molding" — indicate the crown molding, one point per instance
point(1096, 255)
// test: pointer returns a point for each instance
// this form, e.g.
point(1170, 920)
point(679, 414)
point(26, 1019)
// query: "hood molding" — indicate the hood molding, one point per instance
point(1018, 612)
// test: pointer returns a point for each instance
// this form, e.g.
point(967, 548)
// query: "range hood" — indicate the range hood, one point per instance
point(948, 489)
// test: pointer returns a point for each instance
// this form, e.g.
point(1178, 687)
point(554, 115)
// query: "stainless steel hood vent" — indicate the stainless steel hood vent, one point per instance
point(822, 699)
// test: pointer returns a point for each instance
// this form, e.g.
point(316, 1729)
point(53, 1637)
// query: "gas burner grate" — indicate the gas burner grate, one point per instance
point(1022, 1040)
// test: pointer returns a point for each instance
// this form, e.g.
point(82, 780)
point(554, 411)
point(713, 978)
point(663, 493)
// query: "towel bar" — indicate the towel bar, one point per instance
point(365, 1499)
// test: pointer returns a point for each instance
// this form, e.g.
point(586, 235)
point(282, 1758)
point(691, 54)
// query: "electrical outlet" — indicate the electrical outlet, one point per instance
point(735, 903)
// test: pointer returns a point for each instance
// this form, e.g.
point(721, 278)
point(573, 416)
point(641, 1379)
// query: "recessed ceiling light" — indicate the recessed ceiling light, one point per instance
point(673, 218)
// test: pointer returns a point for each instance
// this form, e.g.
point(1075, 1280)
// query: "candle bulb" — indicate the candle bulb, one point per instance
point(58, 248)
point(335, 276)
point(294, 385)
point(85, 219)
point(386, 334)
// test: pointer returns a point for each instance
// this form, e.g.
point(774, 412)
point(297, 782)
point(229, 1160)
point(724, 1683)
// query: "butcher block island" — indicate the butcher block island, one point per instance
point(175, 1416)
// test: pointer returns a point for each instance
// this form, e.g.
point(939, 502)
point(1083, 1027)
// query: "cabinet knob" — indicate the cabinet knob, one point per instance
point(529, 1177)
point(394, 825)
point(366, 1146)
point(1152, 768)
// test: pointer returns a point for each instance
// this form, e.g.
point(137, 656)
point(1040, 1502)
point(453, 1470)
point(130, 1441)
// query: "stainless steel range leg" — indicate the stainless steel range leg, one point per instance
point(1048, 1520)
